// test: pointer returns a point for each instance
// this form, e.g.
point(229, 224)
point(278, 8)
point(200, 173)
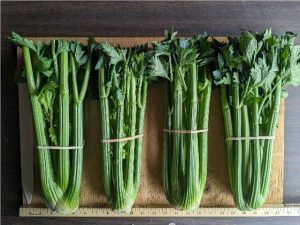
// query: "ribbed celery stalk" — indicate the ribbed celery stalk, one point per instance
point(227, 118)
point(203, 118)
point(51, 191)
point(70, 201)
point(271, 128)
point(141, 107)
point(64, 104)
point(120, 194)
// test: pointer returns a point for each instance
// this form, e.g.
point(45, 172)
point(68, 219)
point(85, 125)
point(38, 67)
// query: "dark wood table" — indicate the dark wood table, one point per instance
point(137, 19)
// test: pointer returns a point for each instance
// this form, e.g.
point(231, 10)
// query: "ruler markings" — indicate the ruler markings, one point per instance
point(268, 210)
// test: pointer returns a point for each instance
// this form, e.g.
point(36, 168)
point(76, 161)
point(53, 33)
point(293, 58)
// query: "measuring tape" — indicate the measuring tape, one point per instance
point(267, 210)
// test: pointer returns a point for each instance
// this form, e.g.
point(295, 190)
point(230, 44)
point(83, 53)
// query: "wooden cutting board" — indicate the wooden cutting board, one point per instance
point(217, 191)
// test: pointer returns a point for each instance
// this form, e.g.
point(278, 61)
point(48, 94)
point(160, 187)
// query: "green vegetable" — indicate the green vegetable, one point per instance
point(47, 69)
point(124, 74)
point(254, 72)
point(187, 64)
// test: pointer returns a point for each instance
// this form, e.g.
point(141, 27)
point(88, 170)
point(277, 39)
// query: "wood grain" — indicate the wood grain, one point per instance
point(136, 19)
point(150, 18)
point(217, 191)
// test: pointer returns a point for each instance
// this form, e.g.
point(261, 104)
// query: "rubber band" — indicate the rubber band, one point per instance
point(122, 139)
point(250, 138)
point(185, 131)
point(60, 147)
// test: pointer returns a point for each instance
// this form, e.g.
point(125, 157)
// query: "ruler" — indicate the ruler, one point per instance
point(266, 211)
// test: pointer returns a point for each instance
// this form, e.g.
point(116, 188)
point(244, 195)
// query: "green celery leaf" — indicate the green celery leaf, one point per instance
point(184, 43)
point(44, 64)
point(40, 48)
point(99, 63)
point(78, 53)
point(231, 57)
point(220, 79)
point(157, 68)
point(256, 71)
point(235, 78)
point(62, 46)
point(48, 73)
point(294, 78)
point(20, 41)
point(206, 61)
point(53, 135)
point(112, 52)
point(161, 49)
point(120, 95)
point(46, 98)
point(248, 45)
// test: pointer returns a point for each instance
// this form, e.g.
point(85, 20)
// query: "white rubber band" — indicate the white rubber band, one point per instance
point(185, 131)
point(60, 147)
point(250, 138)
point(122, 139)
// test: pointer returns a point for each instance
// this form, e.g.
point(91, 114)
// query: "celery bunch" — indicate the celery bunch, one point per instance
point(123, 77)
point(254, 71)
point(187, 64)
point(51, 70)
